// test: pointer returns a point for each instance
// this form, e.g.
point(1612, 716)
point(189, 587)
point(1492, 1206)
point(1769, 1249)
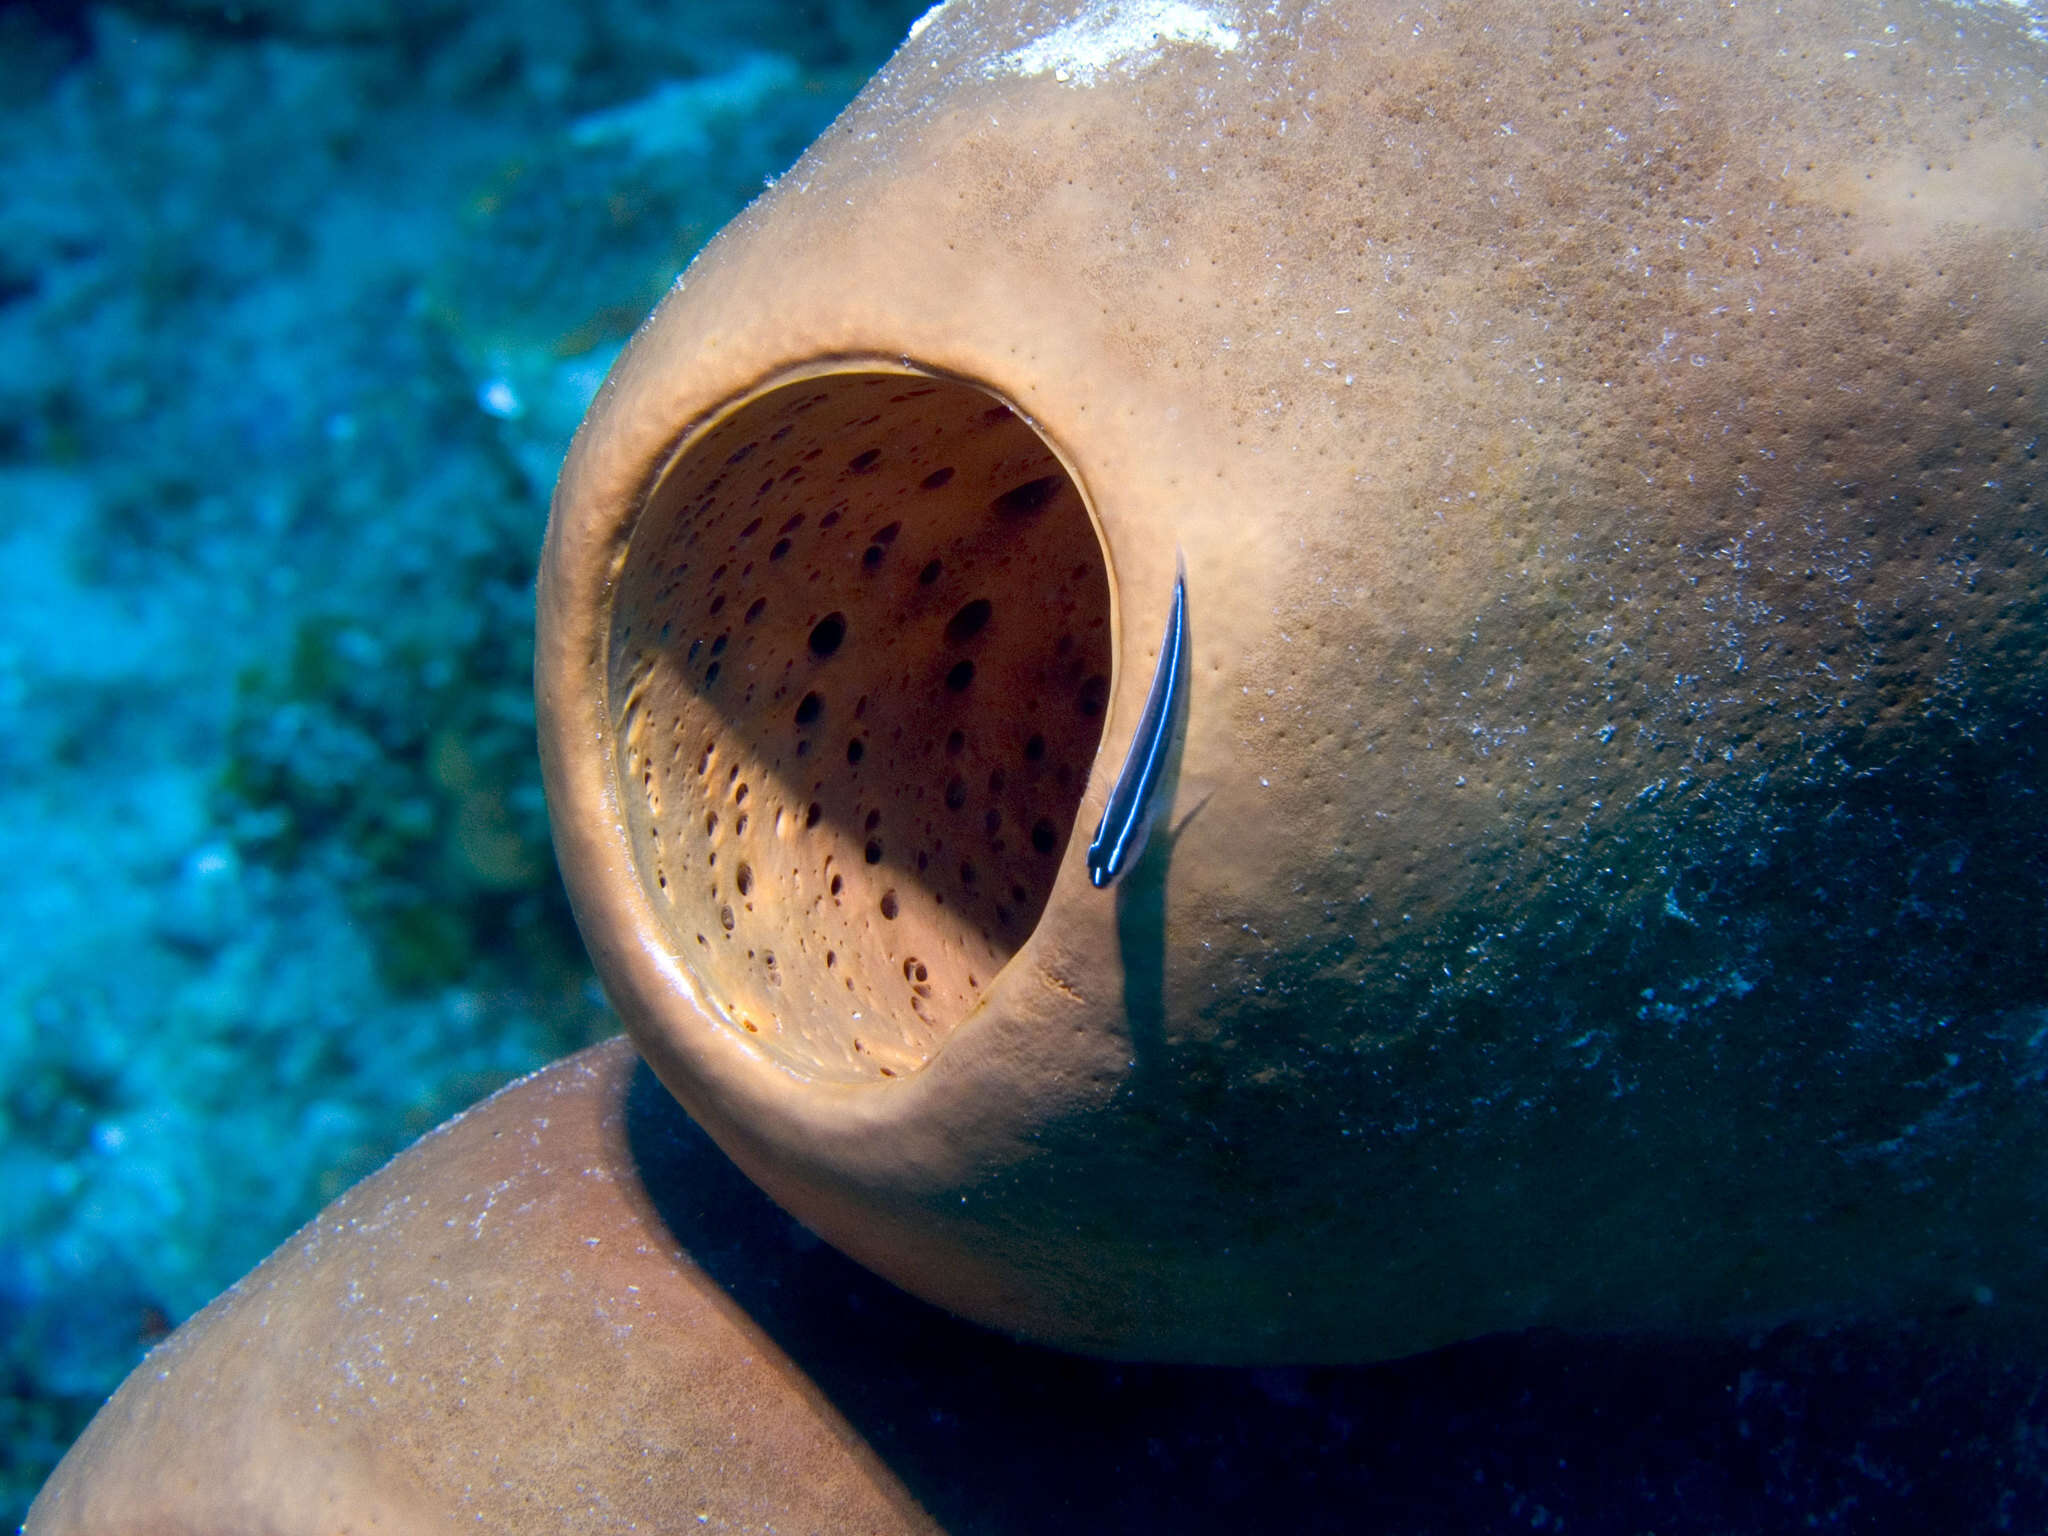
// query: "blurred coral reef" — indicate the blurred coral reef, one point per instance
point(300, 301)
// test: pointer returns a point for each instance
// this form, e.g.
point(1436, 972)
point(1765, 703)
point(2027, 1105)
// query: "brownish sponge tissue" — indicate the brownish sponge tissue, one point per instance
point(859, 660)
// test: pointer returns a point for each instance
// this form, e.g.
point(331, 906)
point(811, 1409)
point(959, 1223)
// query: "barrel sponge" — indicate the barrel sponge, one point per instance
point(499, 1330)
point(1600, 880)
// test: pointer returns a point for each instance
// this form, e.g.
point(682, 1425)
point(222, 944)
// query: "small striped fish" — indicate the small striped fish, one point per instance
point(1128, 816)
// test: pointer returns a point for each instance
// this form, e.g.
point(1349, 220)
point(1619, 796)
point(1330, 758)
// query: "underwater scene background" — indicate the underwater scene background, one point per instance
point(300, 302)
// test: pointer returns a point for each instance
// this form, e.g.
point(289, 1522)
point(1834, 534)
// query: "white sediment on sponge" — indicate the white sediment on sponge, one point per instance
point(925, 20)
point(2031, 15)
point(1119, 34)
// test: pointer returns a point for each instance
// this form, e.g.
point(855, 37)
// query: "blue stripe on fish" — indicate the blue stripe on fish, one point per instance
point(1127, 818)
